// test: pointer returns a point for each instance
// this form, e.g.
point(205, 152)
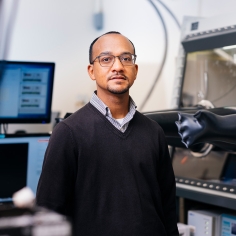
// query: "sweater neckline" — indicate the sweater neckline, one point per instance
point(110, 126)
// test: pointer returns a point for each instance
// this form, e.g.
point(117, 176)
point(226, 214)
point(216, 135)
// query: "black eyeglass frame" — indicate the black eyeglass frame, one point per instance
point(98, 57)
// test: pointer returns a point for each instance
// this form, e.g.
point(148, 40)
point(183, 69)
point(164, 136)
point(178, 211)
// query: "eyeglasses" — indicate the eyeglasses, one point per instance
point(126, 59)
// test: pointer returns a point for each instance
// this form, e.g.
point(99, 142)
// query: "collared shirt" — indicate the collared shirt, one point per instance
point(104, 109)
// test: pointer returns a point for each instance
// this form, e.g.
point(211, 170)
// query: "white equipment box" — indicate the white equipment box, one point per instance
point(207, 223)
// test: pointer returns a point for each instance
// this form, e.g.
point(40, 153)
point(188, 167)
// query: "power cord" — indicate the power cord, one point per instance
point(5, 128)
point(10, 26)
point(165, 50)
point(163, 59)
point(171, 13)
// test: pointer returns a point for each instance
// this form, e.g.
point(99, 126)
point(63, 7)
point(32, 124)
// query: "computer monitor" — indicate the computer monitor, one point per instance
point(21, 158)
point(26, 91)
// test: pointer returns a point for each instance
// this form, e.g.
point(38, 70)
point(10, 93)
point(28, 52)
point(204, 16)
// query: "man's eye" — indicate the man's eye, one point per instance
point(106, 59)
point(126, 58)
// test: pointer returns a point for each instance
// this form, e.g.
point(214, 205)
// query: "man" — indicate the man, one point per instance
point(107, 166)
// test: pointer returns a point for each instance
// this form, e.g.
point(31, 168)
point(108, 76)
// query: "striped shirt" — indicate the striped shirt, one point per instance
point(104, 109)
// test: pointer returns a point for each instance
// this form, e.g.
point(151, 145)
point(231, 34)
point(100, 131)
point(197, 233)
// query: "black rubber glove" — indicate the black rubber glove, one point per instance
point(205, 126)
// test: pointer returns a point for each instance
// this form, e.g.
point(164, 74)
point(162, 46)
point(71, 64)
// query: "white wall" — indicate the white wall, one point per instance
point(61, 31)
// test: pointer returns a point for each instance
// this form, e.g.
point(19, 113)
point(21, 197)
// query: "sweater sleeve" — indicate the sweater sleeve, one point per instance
point(55, 189)
point(167, 185)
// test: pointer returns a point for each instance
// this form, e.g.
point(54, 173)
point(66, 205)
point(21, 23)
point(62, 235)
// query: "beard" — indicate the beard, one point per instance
point(118, 91)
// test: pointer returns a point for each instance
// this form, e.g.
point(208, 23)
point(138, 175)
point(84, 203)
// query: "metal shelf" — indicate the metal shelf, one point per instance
point(212, 197)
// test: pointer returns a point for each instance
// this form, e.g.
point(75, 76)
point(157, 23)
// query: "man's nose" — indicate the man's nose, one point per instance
point(117, 65)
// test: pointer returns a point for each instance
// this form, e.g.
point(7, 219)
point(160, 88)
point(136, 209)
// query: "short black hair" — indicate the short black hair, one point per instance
point(94, 41)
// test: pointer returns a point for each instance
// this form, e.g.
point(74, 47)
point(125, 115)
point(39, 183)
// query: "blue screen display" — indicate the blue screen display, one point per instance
point(26, 91)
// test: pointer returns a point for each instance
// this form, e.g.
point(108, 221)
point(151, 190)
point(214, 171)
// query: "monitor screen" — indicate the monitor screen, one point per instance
point(210, 75)
point(21, 160)
point(26, 91)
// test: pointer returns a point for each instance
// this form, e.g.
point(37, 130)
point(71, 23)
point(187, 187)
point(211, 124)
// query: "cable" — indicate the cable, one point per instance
point(10, 27)
point(6, 41)
point(1, 40)
point(166, 46)
point(7, 38)
point(171, 13)
point(164, 56)
point(5, 128)
point(1, 27)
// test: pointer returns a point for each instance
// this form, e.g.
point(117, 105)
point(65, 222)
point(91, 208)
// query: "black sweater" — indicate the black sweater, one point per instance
point(110, 183)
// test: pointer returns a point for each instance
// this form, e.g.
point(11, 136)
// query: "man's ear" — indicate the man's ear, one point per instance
point(91, 72)
point(136, 68)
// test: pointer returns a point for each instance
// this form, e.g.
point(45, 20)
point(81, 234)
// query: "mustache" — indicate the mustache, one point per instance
point(121, 76)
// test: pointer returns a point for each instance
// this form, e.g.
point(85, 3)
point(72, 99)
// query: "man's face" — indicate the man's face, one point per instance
point(115, 79)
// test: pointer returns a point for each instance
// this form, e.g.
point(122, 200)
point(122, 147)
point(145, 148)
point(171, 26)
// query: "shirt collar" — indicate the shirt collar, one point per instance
point(104, 109)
